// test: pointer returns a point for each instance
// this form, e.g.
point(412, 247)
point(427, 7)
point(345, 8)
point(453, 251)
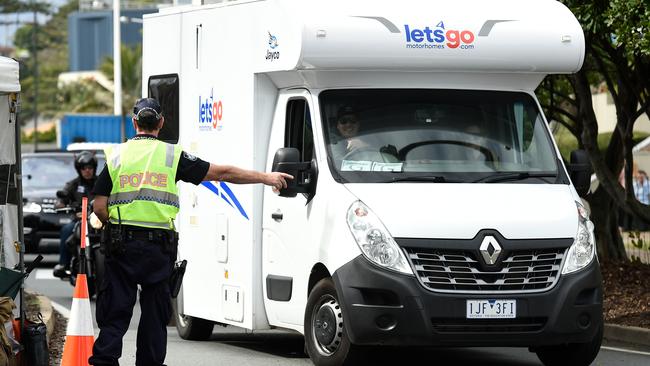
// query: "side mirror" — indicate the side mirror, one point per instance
point(580, 171)
point(287, 160)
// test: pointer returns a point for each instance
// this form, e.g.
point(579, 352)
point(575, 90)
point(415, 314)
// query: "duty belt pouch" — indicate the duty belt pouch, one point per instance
point(113, 240)
point(176, 279)
point(105, 239)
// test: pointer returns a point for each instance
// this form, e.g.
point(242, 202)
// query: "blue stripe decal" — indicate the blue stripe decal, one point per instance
point(226, 199)
point(234, 199)
point(211, 187)
point(229, 193)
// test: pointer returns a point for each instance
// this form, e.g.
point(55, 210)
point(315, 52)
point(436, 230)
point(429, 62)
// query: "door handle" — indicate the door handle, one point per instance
point(277, 216)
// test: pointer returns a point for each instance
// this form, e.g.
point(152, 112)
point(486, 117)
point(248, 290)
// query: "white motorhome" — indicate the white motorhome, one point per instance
point(454, 221)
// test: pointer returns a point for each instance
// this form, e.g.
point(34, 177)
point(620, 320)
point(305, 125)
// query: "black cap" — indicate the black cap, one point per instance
point(344, 110)
point(146, 104)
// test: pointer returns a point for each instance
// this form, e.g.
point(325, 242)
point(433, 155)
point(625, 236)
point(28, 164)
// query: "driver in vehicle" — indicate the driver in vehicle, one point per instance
point(351, 146)
point(85, 163)
point(347, 128)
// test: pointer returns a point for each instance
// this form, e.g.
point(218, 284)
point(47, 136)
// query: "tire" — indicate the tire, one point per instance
point(189, 327)
point(574, 354)
point(326, 340)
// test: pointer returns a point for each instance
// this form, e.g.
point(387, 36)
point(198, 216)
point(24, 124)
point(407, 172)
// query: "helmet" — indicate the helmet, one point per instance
point(85, 158)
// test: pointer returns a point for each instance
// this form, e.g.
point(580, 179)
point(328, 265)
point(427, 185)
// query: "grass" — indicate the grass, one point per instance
point(566, 142)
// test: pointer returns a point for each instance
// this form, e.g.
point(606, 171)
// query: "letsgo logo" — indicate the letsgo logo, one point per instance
point(438, 38)
point(210, 113)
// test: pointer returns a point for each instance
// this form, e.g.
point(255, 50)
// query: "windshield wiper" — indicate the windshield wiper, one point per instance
point(501, 177)
point(422, 178)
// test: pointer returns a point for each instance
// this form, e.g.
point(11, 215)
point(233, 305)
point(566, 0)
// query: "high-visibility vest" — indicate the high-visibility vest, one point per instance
point(143, 172)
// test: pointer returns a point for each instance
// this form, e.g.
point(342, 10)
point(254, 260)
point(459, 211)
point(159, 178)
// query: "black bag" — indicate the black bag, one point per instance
point(176, 278)
point(34, 339)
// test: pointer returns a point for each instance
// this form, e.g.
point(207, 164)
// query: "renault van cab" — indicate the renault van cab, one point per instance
point(430, 204)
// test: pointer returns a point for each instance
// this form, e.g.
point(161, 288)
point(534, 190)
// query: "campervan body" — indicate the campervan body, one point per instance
point(448, 219)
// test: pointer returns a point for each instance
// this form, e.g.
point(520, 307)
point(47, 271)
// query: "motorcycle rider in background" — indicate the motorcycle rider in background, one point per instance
point(86, 165)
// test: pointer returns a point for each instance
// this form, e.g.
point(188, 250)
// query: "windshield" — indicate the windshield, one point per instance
point(47, 171)
point(436, 136)
point(50, 171)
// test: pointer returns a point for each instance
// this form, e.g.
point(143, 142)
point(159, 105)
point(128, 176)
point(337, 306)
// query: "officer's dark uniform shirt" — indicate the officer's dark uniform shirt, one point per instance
point(190, 169)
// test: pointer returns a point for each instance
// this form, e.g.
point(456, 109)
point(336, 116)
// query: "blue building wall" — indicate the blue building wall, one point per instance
point(90, 36)
point(93, 128)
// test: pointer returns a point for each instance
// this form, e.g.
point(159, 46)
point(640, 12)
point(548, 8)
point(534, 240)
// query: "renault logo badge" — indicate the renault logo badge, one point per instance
point(490, 249)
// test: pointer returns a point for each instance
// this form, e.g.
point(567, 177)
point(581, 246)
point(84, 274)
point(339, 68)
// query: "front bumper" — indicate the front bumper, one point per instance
point(386, 308)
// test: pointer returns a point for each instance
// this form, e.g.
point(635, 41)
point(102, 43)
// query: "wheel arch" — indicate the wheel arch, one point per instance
point(318, 272)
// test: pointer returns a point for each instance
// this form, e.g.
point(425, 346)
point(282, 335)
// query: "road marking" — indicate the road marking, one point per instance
point(61, 309)
point(45, 274)
point(626, 350)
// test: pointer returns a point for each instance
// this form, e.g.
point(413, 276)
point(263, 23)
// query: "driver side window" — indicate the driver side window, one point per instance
point(299, 133)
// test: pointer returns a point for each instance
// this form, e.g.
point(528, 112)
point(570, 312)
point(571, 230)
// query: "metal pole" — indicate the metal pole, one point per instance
point(117, 60)
point(19, 205)
point(34, 43)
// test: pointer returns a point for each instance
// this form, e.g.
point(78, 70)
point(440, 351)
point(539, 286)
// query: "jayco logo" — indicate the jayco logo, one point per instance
point(272, 54)
point(438, 38)
point(210, 113)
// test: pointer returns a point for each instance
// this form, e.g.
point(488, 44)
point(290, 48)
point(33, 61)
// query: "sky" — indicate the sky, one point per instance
point(7, 30)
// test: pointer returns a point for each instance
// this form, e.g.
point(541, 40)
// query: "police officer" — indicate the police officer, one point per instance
point(137, 195)
point(85, 163)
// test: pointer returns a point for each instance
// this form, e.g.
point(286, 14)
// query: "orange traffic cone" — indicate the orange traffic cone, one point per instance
point(79, 336)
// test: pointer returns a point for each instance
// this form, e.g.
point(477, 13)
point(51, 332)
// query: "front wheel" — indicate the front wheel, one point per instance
point(326, 339)
point(575, 354)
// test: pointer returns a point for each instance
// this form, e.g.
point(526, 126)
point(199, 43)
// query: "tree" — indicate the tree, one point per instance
point(131, 58)
point(52, 53)
point(617, 35)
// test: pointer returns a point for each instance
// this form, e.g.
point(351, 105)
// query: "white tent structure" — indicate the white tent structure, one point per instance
point(11, 225)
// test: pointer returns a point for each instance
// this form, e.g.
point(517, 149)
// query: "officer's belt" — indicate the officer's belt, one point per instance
point(154, 235)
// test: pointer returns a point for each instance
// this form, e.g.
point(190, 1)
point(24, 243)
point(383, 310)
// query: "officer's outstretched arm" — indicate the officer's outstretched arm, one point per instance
point(233, 174)
point(100, 207)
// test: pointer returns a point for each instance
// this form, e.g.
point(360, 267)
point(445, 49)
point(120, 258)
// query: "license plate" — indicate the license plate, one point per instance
point(491, 309)
point(64, 221)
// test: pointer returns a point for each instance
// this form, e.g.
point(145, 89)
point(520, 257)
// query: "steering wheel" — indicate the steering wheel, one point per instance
point(489, 156)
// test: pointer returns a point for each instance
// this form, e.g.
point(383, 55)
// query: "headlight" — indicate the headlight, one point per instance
point(375, 241)
point(583, 250)
point(32, 207)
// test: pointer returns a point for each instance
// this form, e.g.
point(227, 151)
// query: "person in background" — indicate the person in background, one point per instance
point(85, 163)
point(641, 186)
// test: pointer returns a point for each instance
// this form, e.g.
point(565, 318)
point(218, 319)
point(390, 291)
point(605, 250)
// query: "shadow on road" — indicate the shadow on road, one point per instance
point(291, 346)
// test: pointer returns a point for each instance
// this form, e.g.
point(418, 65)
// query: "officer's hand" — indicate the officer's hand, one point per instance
point(277, 180)
point(95, 222)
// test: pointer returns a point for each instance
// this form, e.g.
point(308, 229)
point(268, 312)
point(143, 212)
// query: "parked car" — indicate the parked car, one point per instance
point(43, 174)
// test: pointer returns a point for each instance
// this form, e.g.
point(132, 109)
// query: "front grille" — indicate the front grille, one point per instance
point(461, 325)
point(530, 270)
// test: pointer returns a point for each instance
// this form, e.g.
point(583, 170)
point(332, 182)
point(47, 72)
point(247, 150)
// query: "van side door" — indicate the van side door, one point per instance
point(286, 220)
